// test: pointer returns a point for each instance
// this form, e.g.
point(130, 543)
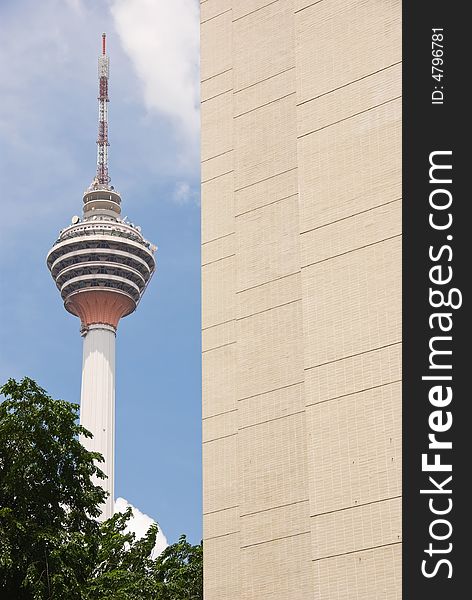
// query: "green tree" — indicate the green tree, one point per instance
point(179, 570)
point(51, 545)
point(48, 504)
point(124, 569)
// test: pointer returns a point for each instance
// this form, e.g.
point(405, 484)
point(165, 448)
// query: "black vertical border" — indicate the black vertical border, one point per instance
point(427, 128)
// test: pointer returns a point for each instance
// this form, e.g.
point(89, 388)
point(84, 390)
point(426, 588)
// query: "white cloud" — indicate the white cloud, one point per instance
point(37, 93)
point(76, 6)
point(184, 194)
point(139, 525)
point(162, 40)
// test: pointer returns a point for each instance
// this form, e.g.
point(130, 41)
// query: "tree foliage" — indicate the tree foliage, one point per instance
point(51, 544)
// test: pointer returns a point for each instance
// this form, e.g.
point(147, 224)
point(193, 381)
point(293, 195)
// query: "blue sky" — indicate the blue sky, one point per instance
point(48, 115)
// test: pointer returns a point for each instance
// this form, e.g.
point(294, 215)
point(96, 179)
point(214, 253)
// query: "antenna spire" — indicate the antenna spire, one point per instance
point(102, 178)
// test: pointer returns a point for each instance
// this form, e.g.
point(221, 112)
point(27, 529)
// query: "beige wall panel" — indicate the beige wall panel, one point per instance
point(272, 464)
point(299, 5)
point(217, 125)
point(273, 405)
point(214, 86)
point(265, 192)
point(219, 426)
point(217, 208)
point(339, 41)
point(267, 243)
point(275, 523)
point(264, 92)
point(352, 233)
point(263, 43)
point(354, 449)
point(269, 295)
point(242, 8)
point(359, 528)
point(280, 569)
point(373, 574)
point(269, 350)
point(221, 568)
point(218, 335)
point(218, 288)
point(218, 166)
point(217, 249)
point(350, 167)
point(352, 303)
point(221, 522)
point(210, 9)
point(220, 465)
point(216, 46)
point(348, 101)
point(265, 142)
point(354, 374)
point(218, 381)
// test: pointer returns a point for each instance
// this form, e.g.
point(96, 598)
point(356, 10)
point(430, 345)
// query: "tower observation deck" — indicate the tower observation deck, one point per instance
point(101, 265)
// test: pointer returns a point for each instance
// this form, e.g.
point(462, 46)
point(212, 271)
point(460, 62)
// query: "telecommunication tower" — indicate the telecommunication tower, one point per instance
point(101, 265)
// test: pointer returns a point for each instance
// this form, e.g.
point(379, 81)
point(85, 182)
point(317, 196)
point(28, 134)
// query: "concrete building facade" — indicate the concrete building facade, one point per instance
point(301, 292)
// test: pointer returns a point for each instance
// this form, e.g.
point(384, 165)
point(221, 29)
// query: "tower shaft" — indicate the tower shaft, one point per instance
point(97, 403)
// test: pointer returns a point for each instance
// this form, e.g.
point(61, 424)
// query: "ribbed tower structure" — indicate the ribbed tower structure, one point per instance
point(101, 265)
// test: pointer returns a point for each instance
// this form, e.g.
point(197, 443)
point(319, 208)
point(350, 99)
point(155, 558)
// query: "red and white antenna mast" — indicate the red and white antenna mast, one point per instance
point(103, 179)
